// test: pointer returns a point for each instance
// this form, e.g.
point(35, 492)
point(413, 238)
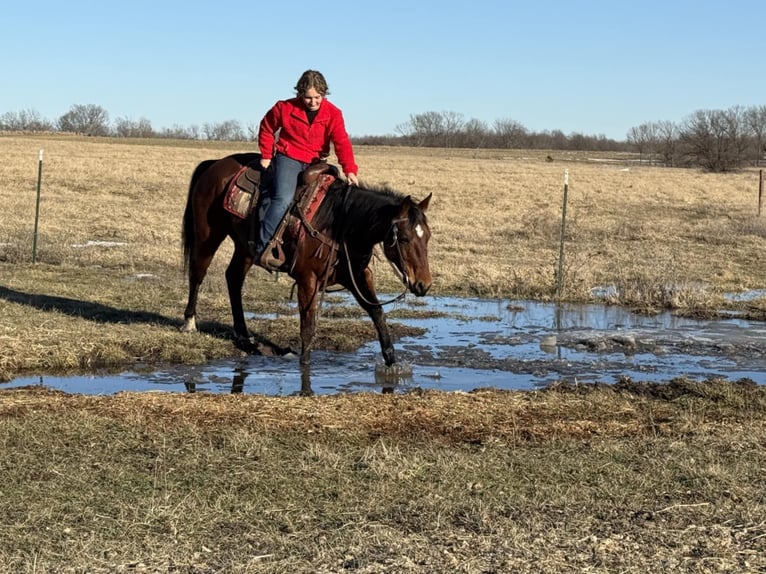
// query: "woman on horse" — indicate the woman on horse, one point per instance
point(306, 124)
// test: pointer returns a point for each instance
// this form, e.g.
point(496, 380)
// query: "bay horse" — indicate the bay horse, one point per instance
point(348, 224)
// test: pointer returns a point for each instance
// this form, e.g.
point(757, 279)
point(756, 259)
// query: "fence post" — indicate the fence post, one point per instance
point(37, 206)
point(560, 274)
point(760, 190)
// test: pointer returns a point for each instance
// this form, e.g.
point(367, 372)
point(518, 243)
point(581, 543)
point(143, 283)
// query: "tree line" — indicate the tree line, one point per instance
point(93, 120)
point(715, 140)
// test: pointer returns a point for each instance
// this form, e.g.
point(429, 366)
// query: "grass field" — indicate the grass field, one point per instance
point(627, 478)
point(633, 479)
point(108, 287)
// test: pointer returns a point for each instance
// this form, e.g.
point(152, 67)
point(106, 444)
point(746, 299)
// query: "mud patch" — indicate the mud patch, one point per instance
point(474, 343)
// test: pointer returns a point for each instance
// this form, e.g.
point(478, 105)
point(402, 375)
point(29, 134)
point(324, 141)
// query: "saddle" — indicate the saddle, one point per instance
point(312, 188)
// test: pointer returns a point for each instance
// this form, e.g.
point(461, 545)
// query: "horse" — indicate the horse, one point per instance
point(335, 250)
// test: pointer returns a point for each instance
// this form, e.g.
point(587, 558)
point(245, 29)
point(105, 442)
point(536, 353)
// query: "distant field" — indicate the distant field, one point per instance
point(109, 241)
point(495, 214)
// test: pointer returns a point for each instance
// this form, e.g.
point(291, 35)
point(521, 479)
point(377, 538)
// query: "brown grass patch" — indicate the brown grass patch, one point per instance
point(627, 478)
point(632, 478)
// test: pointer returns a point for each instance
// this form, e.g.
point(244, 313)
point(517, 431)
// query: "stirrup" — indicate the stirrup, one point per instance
point(269, 262)
point(267, 259)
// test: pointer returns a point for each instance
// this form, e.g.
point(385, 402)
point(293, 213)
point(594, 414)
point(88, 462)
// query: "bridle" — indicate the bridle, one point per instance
point(401, 273)
point(394, 230)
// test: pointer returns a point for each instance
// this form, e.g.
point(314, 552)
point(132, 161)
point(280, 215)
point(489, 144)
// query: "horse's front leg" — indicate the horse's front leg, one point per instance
point(368, 300)
point(238, 267)
point(307, 305)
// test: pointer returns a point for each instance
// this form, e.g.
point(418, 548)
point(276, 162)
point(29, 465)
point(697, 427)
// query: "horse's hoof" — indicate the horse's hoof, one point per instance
point(288, 352)
point(245, 344)
point(189, 326)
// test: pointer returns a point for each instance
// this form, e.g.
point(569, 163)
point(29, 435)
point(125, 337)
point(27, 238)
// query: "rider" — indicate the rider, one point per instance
point(303, 127)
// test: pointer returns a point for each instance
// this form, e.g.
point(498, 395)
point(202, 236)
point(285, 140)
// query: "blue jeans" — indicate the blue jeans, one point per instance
point(276, 199)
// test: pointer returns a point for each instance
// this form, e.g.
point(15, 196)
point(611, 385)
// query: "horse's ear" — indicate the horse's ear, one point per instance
point(424, 204)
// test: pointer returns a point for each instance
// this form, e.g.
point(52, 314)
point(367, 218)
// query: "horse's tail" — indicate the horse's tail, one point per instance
point(187, 231)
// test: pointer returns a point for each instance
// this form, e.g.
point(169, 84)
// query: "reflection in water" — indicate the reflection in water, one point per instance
point(472, 343)
point(239, 374)
point(387, 378)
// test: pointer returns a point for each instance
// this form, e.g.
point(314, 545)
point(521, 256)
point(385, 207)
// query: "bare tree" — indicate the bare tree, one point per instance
point(230, 130)
point(127, 128)
point(87, 119)
point(755, 119)
point(715, 139)
point(737, 132)
point(406, 131)
point(667, 138)
point(580, 142)
point(555, 139)
point(636, 141)
point(25, 120)
point(453, 123)
point(427, 128)
point(510, 133)
point(475, 134)
point(644, 139)
point(252, 131)
point(698, 136)
point(180, 132)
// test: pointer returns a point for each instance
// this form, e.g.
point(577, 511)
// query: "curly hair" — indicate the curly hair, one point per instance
point(312, 79)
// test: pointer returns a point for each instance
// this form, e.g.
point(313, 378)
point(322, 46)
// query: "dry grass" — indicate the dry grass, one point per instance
point(660, 238)
point(495, 215)
point(627, 478)
point(588, 479)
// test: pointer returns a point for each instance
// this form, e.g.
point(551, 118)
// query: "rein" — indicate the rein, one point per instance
point(402, 276)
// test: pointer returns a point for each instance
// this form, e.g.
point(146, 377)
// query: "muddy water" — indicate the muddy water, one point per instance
point(476, 343)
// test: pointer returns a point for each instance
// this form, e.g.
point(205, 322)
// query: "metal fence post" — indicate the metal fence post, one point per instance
point(37, 207)
point(560, 274)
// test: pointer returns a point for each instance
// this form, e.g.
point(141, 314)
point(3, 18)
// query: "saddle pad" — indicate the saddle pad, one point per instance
point(242, 193)
point(309, 202)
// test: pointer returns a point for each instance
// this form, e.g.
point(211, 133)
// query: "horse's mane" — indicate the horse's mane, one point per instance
point(358, 213)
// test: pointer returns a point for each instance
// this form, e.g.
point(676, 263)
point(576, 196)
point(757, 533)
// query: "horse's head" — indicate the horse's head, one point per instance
point(406, 245)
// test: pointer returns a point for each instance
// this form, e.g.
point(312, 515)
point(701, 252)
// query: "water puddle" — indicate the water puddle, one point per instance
point(474, 343)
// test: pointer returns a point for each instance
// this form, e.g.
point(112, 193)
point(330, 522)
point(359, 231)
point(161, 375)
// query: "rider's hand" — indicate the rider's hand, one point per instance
point(265, 163)
point(352, 178)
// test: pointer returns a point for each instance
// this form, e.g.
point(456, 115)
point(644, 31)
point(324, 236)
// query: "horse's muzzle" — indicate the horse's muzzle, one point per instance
point(419, 288)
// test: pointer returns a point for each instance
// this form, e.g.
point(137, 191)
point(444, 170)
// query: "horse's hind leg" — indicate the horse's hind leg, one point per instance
point(238, 267)
point(199, 262)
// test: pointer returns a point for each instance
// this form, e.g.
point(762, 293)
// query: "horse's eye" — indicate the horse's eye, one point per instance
point(404, 240)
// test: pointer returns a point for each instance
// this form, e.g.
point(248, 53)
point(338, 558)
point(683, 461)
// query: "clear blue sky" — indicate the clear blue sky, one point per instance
point(593, 67)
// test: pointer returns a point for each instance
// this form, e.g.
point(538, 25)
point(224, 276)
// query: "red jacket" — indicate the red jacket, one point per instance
point(303, 142)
